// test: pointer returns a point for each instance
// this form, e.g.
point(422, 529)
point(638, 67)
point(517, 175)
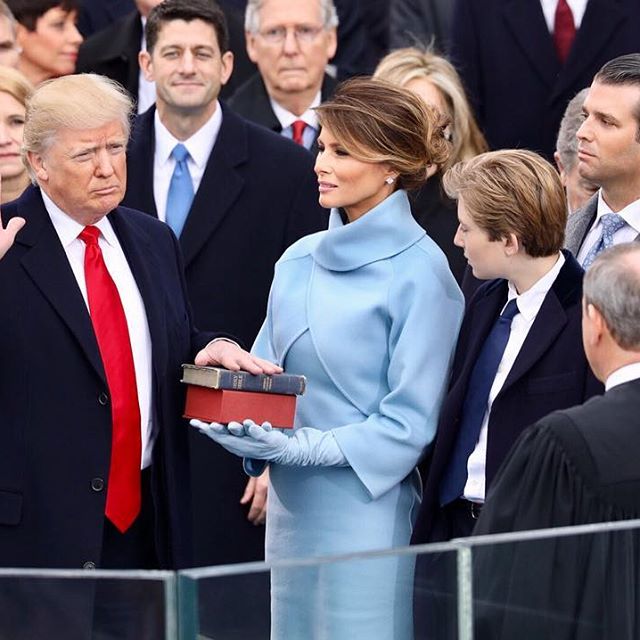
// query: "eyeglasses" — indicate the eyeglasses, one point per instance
point(303, 33)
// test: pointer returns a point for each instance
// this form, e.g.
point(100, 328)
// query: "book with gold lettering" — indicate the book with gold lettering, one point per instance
point(218, 378)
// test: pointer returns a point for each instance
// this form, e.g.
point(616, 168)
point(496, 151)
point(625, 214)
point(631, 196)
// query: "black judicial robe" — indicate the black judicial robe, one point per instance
point(577, 466)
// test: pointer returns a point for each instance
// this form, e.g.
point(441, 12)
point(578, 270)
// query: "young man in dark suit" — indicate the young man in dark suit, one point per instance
point(249, 195)
point(576, 466)
point(96, 323)
point(609, 155)
point(519, 354)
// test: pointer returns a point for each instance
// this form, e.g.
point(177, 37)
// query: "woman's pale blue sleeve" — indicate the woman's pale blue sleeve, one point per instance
point(426, 308)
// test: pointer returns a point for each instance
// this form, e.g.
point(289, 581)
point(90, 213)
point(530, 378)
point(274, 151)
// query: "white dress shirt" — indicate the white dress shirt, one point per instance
point(199, 145)
point(529, 304)
point(134, 310)
point(624, 374)
point(146, 89)
point(286, 119)
point(578, 7)
point(628, 233)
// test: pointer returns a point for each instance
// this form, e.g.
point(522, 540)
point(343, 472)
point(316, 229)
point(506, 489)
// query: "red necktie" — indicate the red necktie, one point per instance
point(112, 334)
point(298, 128)
point(564, 30)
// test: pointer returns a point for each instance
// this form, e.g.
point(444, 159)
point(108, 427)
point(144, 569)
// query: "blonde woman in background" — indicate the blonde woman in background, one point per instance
point(15, 89)
point(435, 80)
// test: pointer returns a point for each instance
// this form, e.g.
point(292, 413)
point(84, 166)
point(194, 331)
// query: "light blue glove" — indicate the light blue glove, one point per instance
point(249, 440)
point(305, 447)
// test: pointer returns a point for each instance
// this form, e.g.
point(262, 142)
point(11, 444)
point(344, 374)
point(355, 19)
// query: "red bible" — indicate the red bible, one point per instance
point(225, 405)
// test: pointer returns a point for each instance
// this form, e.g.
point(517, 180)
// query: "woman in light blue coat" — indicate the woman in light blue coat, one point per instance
point(370, 313)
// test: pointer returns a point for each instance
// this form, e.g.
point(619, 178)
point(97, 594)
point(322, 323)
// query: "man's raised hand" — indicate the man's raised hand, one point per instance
point(8, 234)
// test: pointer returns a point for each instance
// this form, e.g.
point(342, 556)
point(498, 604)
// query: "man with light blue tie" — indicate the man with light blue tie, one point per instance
point(609, 155)
point(180, 194)
point(236, 196)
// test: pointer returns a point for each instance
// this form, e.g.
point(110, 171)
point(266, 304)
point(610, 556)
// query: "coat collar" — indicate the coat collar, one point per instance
point(386, 230)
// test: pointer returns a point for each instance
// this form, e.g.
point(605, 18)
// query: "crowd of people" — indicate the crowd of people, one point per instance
point(273, 186)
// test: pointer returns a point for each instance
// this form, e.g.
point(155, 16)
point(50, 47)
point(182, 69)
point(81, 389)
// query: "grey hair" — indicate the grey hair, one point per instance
point(567, 142)
point(252, 20)
point(612, 285)
point(81, 101)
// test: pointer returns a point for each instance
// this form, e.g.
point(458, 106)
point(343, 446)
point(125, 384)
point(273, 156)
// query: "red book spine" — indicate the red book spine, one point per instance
point(225, 405)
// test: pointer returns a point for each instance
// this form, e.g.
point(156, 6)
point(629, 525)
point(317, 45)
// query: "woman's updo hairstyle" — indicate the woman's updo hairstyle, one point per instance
point(377, 121)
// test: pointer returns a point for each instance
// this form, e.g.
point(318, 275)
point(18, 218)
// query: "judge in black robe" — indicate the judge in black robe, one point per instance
point(577, 466)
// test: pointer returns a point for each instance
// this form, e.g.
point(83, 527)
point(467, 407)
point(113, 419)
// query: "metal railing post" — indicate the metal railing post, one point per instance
point(465, 593)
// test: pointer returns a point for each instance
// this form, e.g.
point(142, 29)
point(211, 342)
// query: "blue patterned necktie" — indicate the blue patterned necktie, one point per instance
point(180, 194)
point(475, 404)
point(611, 222)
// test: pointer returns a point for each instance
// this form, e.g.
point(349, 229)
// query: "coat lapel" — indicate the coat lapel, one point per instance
point(144, 263)
point(252, 100)
point(140, 159)
point(526, 21)
point(550, 321)
point(48, 266)
point(579, 224)
point(221, 185)
point(129, 48)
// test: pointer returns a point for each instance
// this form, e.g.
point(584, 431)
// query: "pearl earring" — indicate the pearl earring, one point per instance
point(389, 180)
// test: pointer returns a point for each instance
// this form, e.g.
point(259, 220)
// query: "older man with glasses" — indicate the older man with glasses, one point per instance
point(291, 43)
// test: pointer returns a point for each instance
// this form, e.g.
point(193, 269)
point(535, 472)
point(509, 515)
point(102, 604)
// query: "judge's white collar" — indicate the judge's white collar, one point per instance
point(623, 374)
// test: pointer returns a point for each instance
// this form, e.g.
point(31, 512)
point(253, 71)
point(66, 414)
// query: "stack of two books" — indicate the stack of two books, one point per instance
point(220, 395)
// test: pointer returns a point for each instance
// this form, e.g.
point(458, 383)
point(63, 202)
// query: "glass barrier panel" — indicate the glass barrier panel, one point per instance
point(564, 586)
point(361, 596)
point(87, 605)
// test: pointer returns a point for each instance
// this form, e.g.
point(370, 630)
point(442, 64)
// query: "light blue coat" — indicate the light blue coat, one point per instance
point(370, 313)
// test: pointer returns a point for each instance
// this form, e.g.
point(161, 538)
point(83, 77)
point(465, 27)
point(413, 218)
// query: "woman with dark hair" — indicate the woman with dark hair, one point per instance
point(369, 312)
point(47, 35)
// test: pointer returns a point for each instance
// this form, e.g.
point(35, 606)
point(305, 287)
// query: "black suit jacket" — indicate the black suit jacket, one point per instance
point(505, 55)
point(95, 15)
point(422, 22)
point(550, 372)
point(257, 196)
point(113, 52)
point(251, 101)
point(54, 404)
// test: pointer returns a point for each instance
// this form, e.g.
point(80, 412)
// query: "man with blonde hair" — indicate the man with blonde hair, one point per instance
point(93, 453)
